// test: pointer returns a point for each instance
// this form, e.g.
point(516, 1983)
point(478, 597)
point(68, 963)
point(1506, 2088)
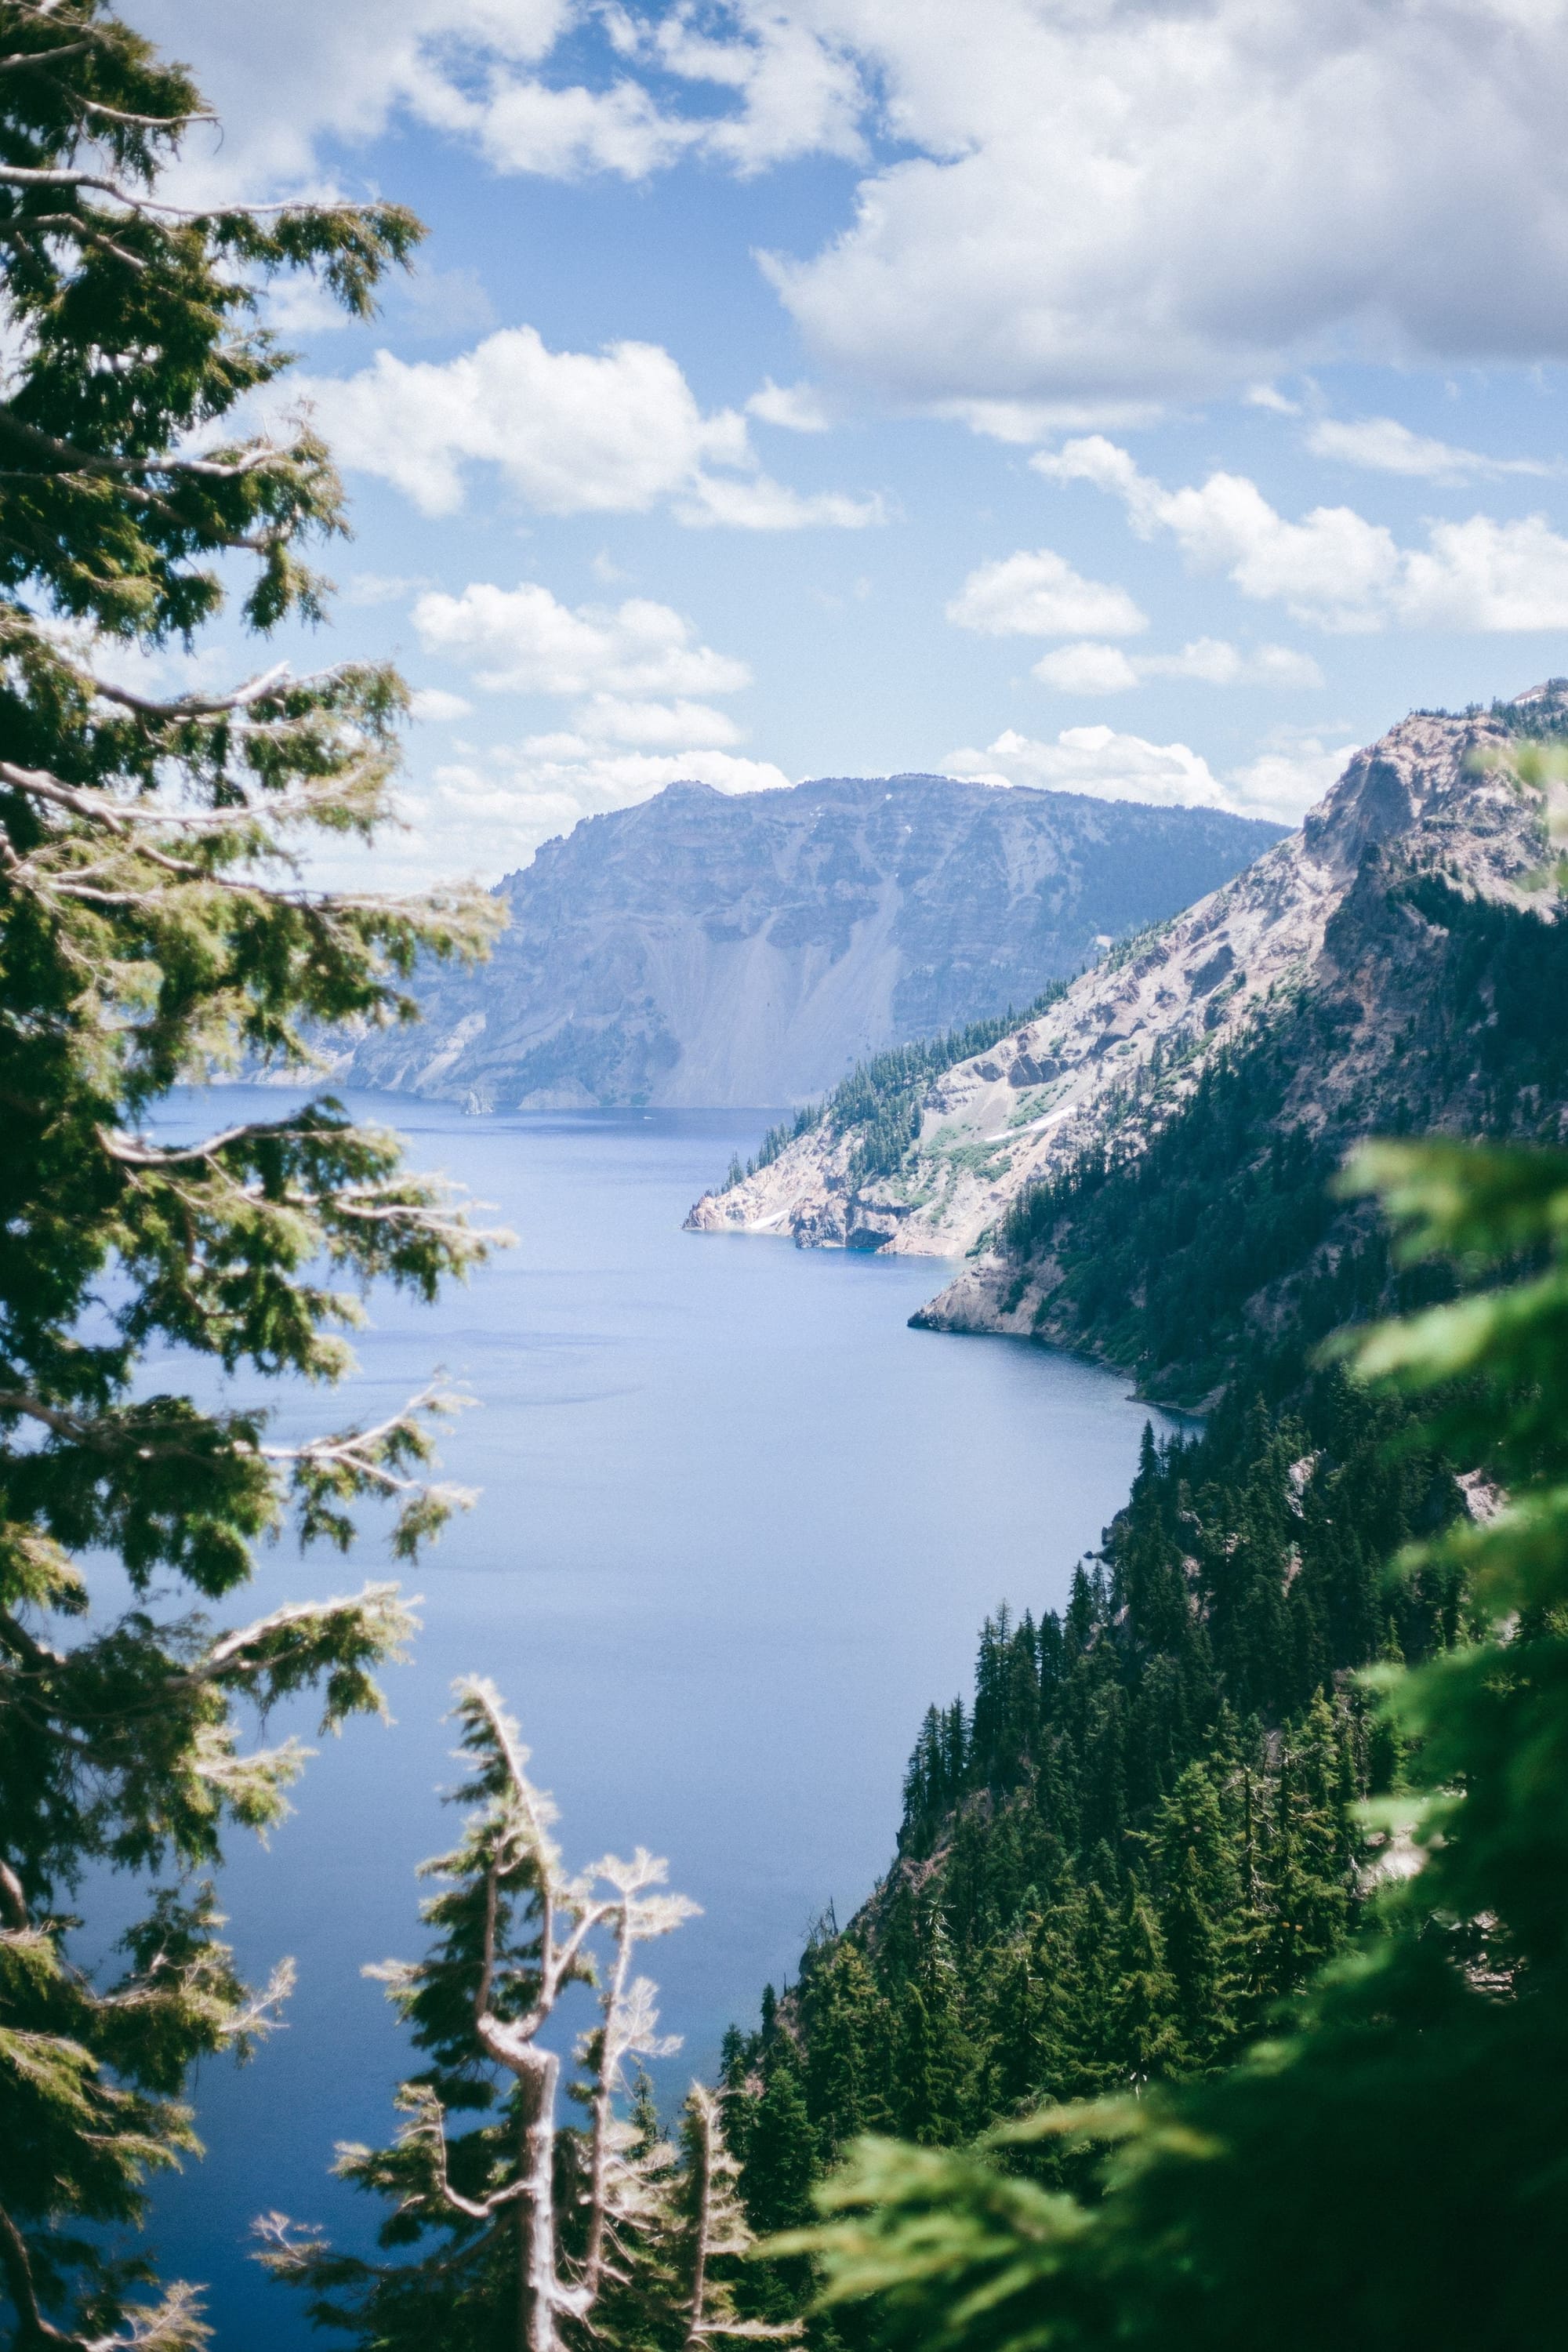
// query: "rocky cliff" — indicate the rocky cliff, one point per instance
point(1348, 979)
point(705, 950)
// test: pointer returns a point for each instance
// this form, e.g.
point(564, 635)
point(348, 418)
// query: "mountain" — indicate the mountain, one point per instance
point(1142, 1169)
point(704, 949)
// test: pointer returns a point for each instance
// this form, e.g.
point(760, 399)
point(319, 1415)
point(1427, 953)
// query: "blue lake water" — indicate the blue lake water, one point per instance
point(738, 1527)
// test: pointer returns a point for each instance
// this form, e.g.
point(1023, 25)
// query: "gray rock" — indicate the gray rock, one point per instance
point(703, 948)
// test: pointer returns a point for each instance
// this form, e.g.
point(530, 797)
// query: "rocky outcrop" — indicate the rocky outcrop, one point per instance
point(1324, 915)
point(708, 949)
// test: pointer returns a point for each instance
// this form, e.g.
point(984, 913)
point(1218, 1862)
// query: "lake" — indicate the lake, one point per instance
point(738, 1526)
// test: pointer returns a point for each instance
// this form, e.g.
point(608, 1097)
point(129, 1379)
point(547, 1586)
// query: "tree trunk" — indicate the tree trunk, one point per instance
point(536, 2208)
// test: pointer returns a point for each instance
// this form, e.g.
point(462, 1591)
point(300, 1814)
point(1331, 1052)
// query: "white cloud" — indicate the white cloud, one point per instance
point(1112, 766)
point(1102, 203)
point(488, 818)
point(685, 726)
point(1284, 782)
point(1214, 662)
point(796, 406)
point(381, 587)
point(1089, 669)
point(753, 502)
point(1087, 205)
point(435, 703)
point(1482, 574)
point(1268, 395)
point(1022, 421)
point(1041, 596)
point(1098, 760)
point(1334, 568)
point(294, 78)
point(630, 677)
point(521, 641)
point(1386, 447)
point(801, 89)
point(289, 77)
point(617, 431)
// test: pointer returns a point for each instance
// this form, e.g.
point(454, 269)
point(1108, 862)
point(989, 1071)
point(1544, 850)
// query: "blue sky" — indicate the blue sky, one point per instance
point(1149, 397)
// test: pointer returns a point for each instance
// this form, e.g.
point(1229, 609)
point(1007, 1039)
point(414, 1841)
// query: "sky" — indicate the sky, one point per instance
point(1152, 398)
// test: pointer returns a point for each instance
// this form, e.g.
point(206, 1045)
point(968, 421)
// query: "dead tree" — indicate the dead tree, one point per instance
point(542, 2216)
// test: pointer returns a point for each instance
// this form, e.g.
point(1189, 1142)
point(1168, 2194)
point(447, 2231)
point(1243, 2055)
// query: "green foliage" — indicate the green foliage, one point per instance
point(1388, 2170)
point(154, 926)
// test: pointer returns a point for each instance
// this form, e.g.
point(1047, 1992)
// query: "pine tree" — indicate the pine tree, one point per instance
point(1199, 1903)
point(781, 2145)
point(1310, 1863)
point(1142, 2024)
point(847, 2047)
point(932, 2054)
point(153, 926)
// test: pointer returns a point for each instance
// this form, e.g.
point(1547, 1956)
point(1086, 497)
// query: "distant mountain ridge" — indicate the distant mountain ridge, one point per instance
point(1143, 1170)
point(706, 949)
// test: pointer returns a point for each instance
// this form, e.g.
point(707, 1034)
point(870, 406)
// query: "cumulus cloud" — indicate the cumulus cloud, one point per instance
point(1090, 669)
point(1041, 596)
point(1113, 766)
point(521, 641)
point(1285, 781)
point(684, 726)
point(1110, 204)
point(796, 406)
point(1482, 574)
point(1098, 760)
point(1022, 423)
point(295, 78)
point(754, 502)
point(617, 430)
point(434, 702)
point(1268, 395)
point(631, 681)
point(1089, 208)
point(1385, 446)
point(1333, 568)
point(500, 808)
point(1087, 668)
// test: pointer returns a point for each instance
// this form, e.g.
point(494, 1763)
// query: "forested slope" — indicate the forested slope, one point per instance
point(1132, 1838)
point(1136, 1836)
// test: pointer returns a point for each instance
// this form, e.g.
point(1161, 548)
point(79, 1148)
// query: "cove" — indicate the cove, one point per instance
point(738, 1526)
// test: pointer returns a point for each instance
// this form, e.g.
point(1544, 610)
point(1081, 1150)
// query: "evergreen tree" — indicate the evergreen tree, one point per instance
point(932, 2054)
point(847, 2047)
point(1141, 2025)
point(1389, 2173)
point(780, 2144)
point(154, 926)
point(1200, 1896)
point(1310, 1863)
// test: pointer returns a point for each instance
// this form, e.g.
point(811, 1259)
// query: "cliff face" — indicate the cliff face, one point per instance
point(703, 950)
point(1326, 935)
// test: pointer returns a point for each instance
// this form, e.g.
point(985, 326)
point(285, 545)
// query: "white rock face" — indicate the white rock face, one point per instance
point(1026, 1109)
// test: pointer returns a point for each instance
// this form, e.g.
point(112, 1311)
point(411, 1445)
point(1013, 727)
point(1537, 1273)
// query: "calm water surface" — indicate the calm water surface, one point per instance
point(738, 1527)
